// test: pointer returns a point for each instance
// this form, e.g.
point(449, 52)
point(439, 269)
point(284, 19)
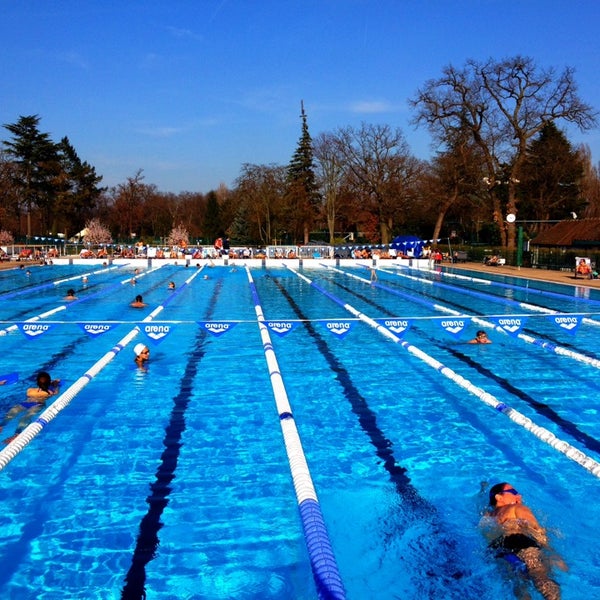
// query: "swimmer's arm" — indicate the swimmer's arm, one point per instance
point(37, 394)
point(524, 514)
point(490, 527)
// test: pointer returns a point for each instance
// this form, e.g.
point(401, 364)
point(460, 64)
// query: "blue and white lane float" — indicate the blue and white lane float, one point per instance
point(546, 436)
point(324, 566)
point(43, 286)
point(34, 428)
point(62, 307)
point(525, 305)
point(556, 349)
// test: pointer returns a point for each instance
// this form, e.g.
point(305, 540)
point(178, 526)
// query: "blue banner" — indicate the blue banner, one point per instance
point(511, 325)
point(156, 332)
point(282, 328)
point(33, 330)
point(396, 326)
point(217, 328)
point(96, 329)
point(453, 325)
point(339, 328)
point(569, 323)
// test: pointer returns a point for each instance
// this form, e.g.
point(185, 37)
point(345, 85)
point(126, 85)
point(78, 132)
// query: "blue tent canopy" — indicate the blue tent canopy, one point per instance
point(408, 242)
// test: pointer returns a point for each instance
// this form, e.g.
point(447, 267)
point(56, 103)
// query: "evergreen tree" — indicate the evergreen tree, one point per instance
point(36, 158)
point(78, 190)
point(302, 197)
point(550, 178)
point(211, 227)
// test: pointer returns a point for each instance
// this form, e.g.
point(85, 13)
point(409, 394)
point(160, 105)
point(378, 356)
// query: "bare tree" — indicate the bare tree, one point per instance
point(381, 170)
point(261, 189)
point(129, 200)
point(330, 174)
point(503, 104)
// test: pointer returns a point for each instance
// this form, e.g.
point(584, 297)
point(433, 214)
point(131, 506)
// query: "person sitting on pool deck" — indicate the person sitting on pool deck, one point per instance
point(138, 302)
point(518, 538)
point(480, 338)
point(36, 401)
point(142, 354)
point(584, 268)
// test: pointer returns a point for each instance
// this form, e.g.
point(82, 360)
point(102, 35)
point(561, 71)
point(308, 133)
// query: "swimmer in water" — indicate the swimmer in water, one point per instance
point(34, 404)
point(518, 538)
point(138, 302)
point(481, 337)
point(142, 354)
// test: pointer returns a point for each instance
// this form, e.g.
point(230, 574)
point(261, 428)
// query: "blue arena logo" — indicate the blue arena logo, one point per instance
point(453, 326)
point(32, 330)
point(217, 328)
point(339, 328)
point(95, 329)
point(397, 326)
point(157, 332)
point(510, 324)
point(569, 323)
point(281, 328)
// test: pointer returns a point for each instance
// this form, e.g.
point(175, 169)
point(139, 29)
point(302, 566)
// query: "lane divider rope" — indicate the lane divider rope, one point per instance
point(546, 436)
point(324, 567)
point(32, 430)
point(555, 348)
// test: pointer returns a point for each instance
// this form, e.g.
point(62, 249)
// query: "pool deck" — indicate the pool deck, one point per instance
point(565, 277)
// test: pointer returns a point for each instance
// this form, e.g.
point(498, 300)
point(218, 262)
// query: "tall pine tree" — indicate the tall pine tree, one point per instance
point(302, 197)
point(35, 157)
point(550, 178)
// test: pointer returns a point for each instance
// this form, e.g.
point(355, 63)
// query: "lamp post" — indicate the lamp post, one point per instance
point(511, 218)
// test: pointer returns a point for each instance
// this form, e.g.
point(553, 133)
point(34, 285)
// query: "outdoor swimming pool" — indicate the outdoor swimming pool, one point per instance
point(175, 482)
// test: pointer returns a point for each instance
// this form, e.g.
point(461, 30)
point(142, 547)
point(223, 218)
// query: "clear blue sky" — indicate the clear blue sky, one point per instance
point(189, 90)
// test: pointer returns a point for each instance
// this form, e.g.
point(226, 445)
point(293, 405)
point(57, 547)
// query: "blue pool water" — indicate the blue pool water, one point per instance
point(175, 482)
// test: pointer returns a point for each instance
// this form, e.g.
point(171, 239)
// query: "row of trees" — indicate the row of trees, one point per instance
point(498, 150)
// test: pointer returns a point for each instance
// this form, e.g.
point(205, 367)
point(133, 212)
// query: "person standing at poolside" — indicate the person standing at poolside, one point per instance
point(518, 538)
point(34, 404)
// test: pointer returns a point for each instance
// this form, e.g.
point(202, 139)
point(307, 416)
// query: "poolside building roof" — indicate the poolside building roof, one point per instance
point(582, 233)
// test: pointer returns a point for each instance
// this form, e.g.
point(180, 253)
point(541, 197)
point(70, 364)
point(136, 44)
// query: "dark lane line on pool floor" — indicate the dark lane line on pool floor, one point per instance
point(541, 408)
point(147, 540)
point(505, 448)
point(540, 337)
point(446, 552)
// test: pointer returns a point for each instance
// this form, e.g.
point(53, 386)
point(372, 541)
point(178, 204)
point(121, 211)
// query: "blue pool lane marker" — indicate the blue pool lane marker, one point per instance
point(322, 560)
point(546, 436)
point(541, 408)
point(33, 429)
point(556, 349)
point(147, 542)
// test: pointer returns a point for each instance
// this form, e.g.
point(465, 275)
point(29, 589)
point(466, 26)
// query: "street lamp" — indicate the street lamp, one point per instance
point(511, 218)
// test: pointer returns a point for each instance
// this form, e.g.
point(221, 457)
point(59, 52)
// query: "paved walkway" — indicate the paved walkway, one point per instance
point(565, 277)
